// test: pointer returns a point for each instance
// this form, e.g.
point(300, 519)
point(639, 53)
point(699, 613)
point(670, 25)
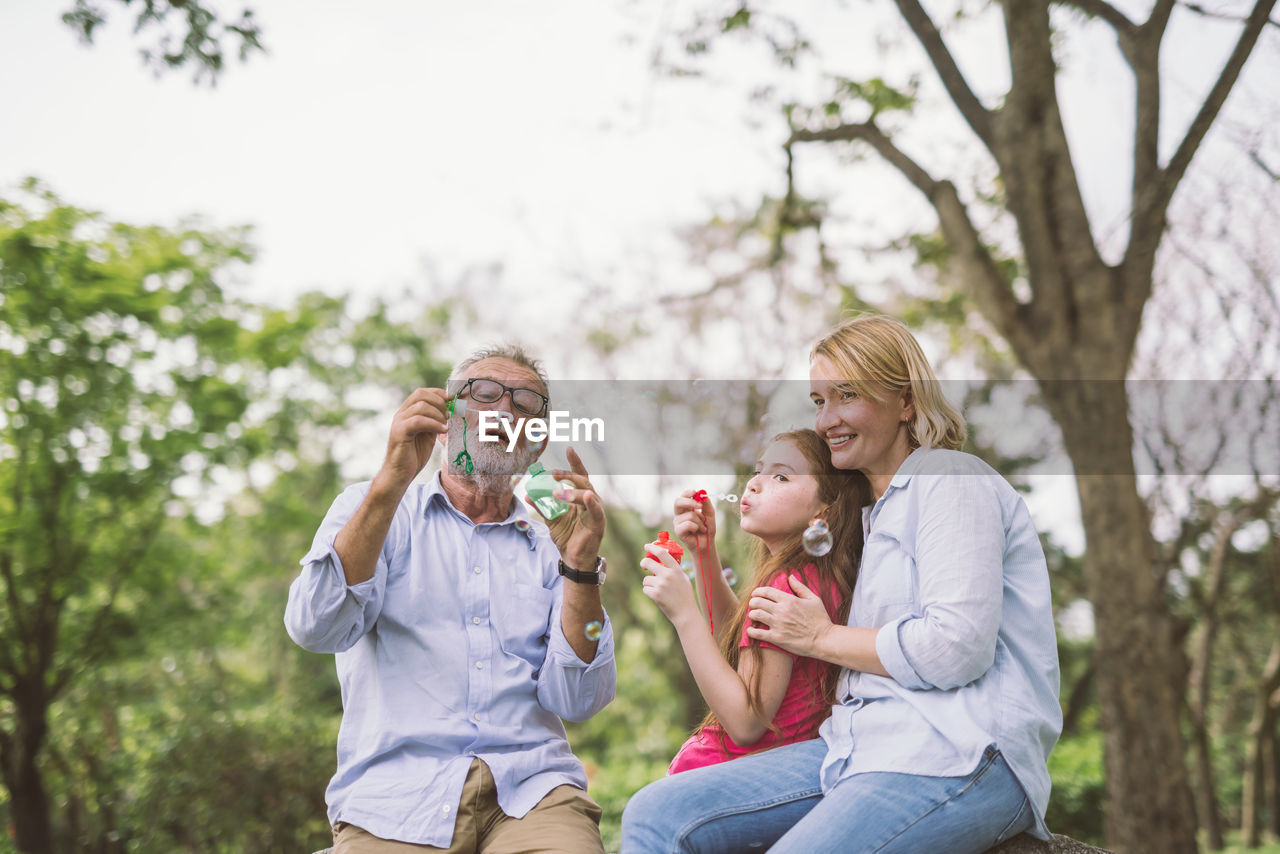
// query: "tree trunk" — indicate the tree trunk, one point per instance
point(28, 801)
point(1198, 695)
point(1261, 727)
point(1273, 772)
point(1136, 666)
point(1205, 789)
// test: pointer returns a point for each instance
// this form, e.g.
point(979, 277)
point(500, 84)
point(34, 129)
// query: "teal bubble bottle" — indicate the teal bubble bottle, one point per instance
point(539, 488)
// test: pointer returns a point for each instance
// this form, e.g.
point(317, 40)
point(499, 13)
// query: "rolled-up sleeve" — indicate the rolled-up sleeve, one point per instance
point(949, 638)
point(324, 613)
point(570, 687)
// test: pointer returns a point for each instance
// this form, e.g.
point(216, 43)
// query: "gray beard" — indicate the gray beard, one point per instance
point(494, 466)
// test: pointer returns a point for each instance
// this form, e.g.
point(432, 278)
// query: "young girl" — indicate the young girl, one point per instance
point(759, 695)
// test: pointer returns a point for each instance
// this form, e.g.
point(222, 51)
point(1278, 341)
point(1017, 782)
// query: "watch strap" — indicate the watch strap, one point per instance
point(578, 576)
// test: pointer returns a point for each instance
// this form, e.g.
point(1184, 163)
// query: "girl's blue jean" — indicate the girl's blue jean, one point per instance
point(773, 801)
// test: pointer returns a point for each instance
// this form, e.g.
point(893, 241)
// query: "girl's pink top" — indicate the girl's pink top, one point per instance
point(802, 707)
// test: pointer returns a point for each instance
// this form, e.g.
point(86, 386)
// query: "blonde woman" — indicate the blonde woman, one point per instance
point(947, 700)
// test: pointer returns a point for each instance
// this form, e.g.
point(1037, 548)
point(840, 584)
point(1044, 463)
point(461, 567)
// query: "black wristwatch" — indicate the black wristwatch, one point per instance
point(595, 576)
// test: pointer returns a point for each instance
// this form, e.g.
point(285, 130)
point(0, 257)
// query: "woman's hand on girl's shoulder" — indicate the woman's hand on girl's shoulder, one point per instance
point(794, 622)
point(695, 521)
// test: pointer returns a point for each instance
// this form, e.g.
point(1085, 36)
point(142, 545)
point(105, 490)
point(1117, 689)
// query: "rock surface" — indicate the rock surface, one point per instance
point(1021, 844)
point(1024, 844)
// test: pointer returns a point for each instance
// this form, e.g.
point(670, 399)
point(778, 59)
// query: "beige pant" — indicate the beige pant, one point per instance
point(565, 820)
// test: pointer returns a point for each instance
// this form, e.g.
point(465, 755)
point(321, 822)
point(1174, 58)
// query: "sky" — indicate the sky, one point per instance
point(396, 147)
point(363, 144)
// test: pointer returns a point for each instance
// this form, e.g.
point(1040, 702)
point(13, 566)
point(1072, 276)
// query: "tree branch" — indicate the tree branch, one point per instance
point(1172, 174)
point(1209, 13)
point(1141, 48)
point(980, 277)
point(978, 117)
point(1106, 12)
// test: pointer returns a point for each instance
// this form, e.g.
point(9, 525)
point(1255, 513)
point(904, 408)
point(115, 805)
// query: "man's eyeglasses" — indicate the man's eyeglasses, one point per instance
point(525, 400)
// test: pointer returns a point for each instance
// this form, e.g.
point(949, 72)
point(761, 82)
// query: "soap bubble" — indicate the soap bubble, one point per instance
point(687, 566)
point(594, 628)
point(730, 577)
point(457, 406)
point(730, 497)
point(817, 538)
point(522, 524)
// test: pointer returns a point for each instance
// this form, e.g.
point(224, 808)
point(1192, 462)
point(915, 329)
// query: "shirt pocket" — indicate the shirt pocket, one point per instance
point(526, 614)
point(886, 587)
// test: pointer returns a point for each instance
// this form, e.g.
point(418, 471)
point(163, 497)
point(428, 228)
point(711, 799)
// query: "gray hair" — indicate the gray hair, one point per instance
point(509, 351)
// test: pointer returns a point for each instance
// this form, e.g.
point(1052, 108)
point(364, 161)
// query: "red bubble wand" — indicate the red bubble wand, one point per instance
point(703, 570)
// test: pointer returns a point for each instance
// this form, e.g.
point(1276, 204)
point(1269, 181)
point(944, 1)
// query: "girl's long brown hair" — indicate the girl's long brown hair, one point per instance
point(844, 494)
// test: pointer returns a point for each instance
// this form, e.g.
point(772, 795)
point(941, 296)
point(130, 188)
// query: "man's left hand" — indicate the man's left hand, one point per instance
point(579, 531)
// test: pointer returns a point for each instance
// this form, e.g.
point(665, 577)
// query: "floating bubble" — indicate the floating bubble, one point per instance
point(522, 524)
point(687, 566)
point(817, 538)
point(594, 628)
point(730, 577)
point(731, 498)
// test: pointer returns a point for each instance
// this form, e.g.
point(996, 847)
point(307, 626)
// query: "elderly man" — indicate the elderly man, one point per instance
point(463, 634)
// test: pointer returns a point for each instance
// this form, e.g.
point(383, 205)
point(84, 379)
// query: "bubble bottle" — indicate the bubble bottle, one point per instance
point(539, 488)
point(664, 541)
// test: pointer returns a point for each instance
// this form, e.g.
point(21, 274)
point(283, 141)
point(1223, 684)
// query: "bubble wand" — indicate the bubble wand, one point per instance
point(703, 572)
point(454, 406)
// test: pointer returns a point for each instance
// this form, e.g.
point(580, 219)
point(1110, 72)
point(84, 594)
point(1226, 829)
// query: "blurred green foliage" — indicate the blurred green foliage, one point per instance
point(1075, 805)
point(166, 453)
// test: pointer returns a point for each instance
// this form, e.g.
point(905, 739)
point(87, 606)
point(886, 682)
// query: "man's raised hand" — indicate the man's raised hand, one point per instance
point(414, 428)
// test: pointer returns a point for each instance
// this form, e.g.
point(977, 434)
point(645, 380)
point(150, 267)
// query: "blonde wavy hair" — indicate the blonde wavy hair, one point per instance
point(878, 356)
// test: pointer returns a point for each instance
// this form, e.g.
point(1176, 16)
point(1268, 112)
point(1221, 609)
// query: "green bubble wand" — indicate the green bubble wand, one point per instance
point(463, 460)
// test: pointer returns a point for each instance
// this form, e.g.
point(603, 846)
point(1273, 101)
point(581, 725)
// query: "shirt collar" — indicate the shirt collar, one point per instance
point(520, 517)
point(909, 467)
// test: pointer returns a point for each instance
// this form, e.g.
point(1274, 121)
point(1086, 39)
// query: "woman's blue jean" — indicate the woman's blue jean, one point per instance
point(773, 800)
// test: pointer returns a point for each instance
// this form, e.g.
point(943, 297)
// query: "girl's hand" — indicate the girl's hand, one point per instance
point(795, 623)
point(695, 521)
point(669, 587)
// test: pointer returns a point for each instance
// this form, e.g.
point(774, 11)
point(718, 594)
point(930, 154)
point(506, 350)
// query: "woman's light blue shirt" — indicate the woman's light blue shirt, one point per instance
point(954, 577)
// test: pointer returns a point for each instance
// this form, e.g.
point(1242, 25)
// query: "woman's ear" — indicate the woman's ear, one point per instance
point(908, 404)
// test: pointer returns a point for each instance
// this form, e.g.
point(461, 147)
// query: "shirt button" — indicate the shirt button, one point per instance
point(479, 665)
point(445, 809)
point(476, 570)
point(475, 716)
point(475, 620)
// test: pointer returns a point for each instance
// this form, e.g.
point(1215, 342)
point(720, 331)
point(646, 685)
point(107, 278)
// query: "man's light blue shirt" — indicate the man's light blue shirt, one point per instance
point(954, 577)
point(452, 651)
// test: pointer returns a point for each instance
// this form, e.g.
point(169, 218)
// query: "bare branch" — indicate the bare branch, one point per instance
point(1209, 13)
point(978, 117)
point(1172, 174)
point(1258, 161)
point(1141, 49)
point(979, 275)
point(1105, 11)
